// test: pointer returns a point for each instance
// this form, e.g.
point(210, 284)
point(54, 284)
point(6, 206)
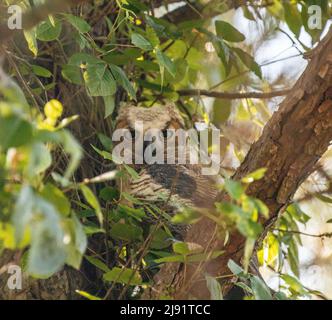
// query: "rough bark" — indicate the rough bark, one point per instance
point(60, 286)
point(292, 142)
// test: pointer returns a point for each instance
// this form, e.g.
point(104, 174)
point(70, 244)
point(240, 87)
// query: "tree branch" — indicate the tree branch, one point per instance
point(292, 142)
point(231, 95)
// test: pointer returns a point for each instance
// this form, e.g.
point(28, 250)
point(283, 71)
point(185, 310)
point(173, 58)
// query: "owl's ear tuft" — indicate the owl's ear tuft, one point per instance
point(174, 112)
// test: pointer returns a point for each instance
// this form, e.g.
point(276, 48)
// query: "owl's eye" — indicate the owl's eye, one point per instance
point(166, 134)
point(131, 134)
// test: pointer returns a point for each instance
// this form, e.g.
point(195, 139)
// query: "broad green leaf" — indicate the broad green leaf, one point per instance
point(181, 248)
point(152, 36)
point(247, 13)
point(234, 188)
point(324, 198)
point(72, 74)
point(122, 80)
point(55, 196)
point(228, 32)
point(71, 147)
point(214, 288)
point(47, 32)
point(47, 253)
point(160, 239)
point(124, 276)
point(109, 103)
point(234, 267)
point(99, 80)
point(249, 61)
point(39, 160)
point(78, 23)
point(41, 71)
point(76, 247)
point(221, 111)
point(293, 17)
point(93, 202)
point(260, 289)
point(165, 62)
point(98, 263)
point(132, 173)
point(253, 176)
point(126, 232)
point(14, 132)
point(293, 283)
point(140, 42)
point(31, 39)
point(261, 207)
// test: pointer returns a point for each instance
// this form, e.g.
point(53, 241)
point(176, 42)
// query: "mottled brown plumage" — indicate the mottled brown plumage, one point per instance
point(171, 186)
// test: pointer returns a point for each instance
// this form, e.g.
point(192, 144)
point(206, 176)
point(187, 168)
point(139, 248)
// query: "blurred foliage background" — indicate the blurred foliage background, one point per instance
point(61, 84)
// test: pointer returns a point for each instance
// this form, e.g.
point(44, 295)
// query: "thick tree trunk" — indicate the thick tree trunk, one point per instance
point(292, 142)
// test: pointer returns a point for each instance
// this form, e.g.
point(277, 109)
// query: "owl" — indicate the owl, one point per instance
point(172, 187)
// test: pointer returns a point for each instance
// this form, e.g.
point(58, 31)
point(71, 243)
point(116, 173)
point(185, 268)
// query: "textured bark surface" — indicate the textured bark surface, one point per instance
point(60, 286)
point(292, 142)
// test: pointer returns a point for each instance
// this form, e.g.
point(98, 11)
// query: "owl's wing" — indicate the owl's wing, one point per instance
point(182, 184)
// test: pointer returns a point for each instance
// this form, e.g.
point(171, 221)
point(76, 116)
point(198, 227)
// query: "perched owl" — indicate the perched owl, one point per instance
point(170, 186)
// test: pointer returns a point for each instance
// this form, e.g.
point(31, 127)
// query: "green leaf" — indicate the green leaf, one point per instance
point(72, 74)
point(109, 103)
point(93, 201)
point(160, 239)
point(234, 189)
point(71, 147)
point(98, 263)
point(47, 32)
point(132, 173)
point(31, 39)
point(228, 32)
point(247, 13)
point(293, 17)
point(293, 283)
point(55, 196)
point(181, 248)
point(14, 132)
point(249, 61)
point(253, 176)
point(324, 198)
point(259, 288)
point(78, 23)
point(293, 257)
point(248, 251)
point(214, 288)
point(126, 232)
point(234, 267)
point(221, 111)
point(165, 62)
point(99, 80)
point(39, 160)
point(122, 80)
point(124, 276)
point(140, 42)
point(41, 71)
point(47, 253)
point(261, 207)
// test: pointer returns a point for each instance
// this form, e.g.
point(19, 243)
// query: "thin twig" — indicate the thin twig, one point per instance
point(233, 95)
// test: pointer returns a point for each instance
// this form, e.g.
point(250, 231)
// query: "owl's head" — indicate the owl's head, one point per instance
point(161, 117)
